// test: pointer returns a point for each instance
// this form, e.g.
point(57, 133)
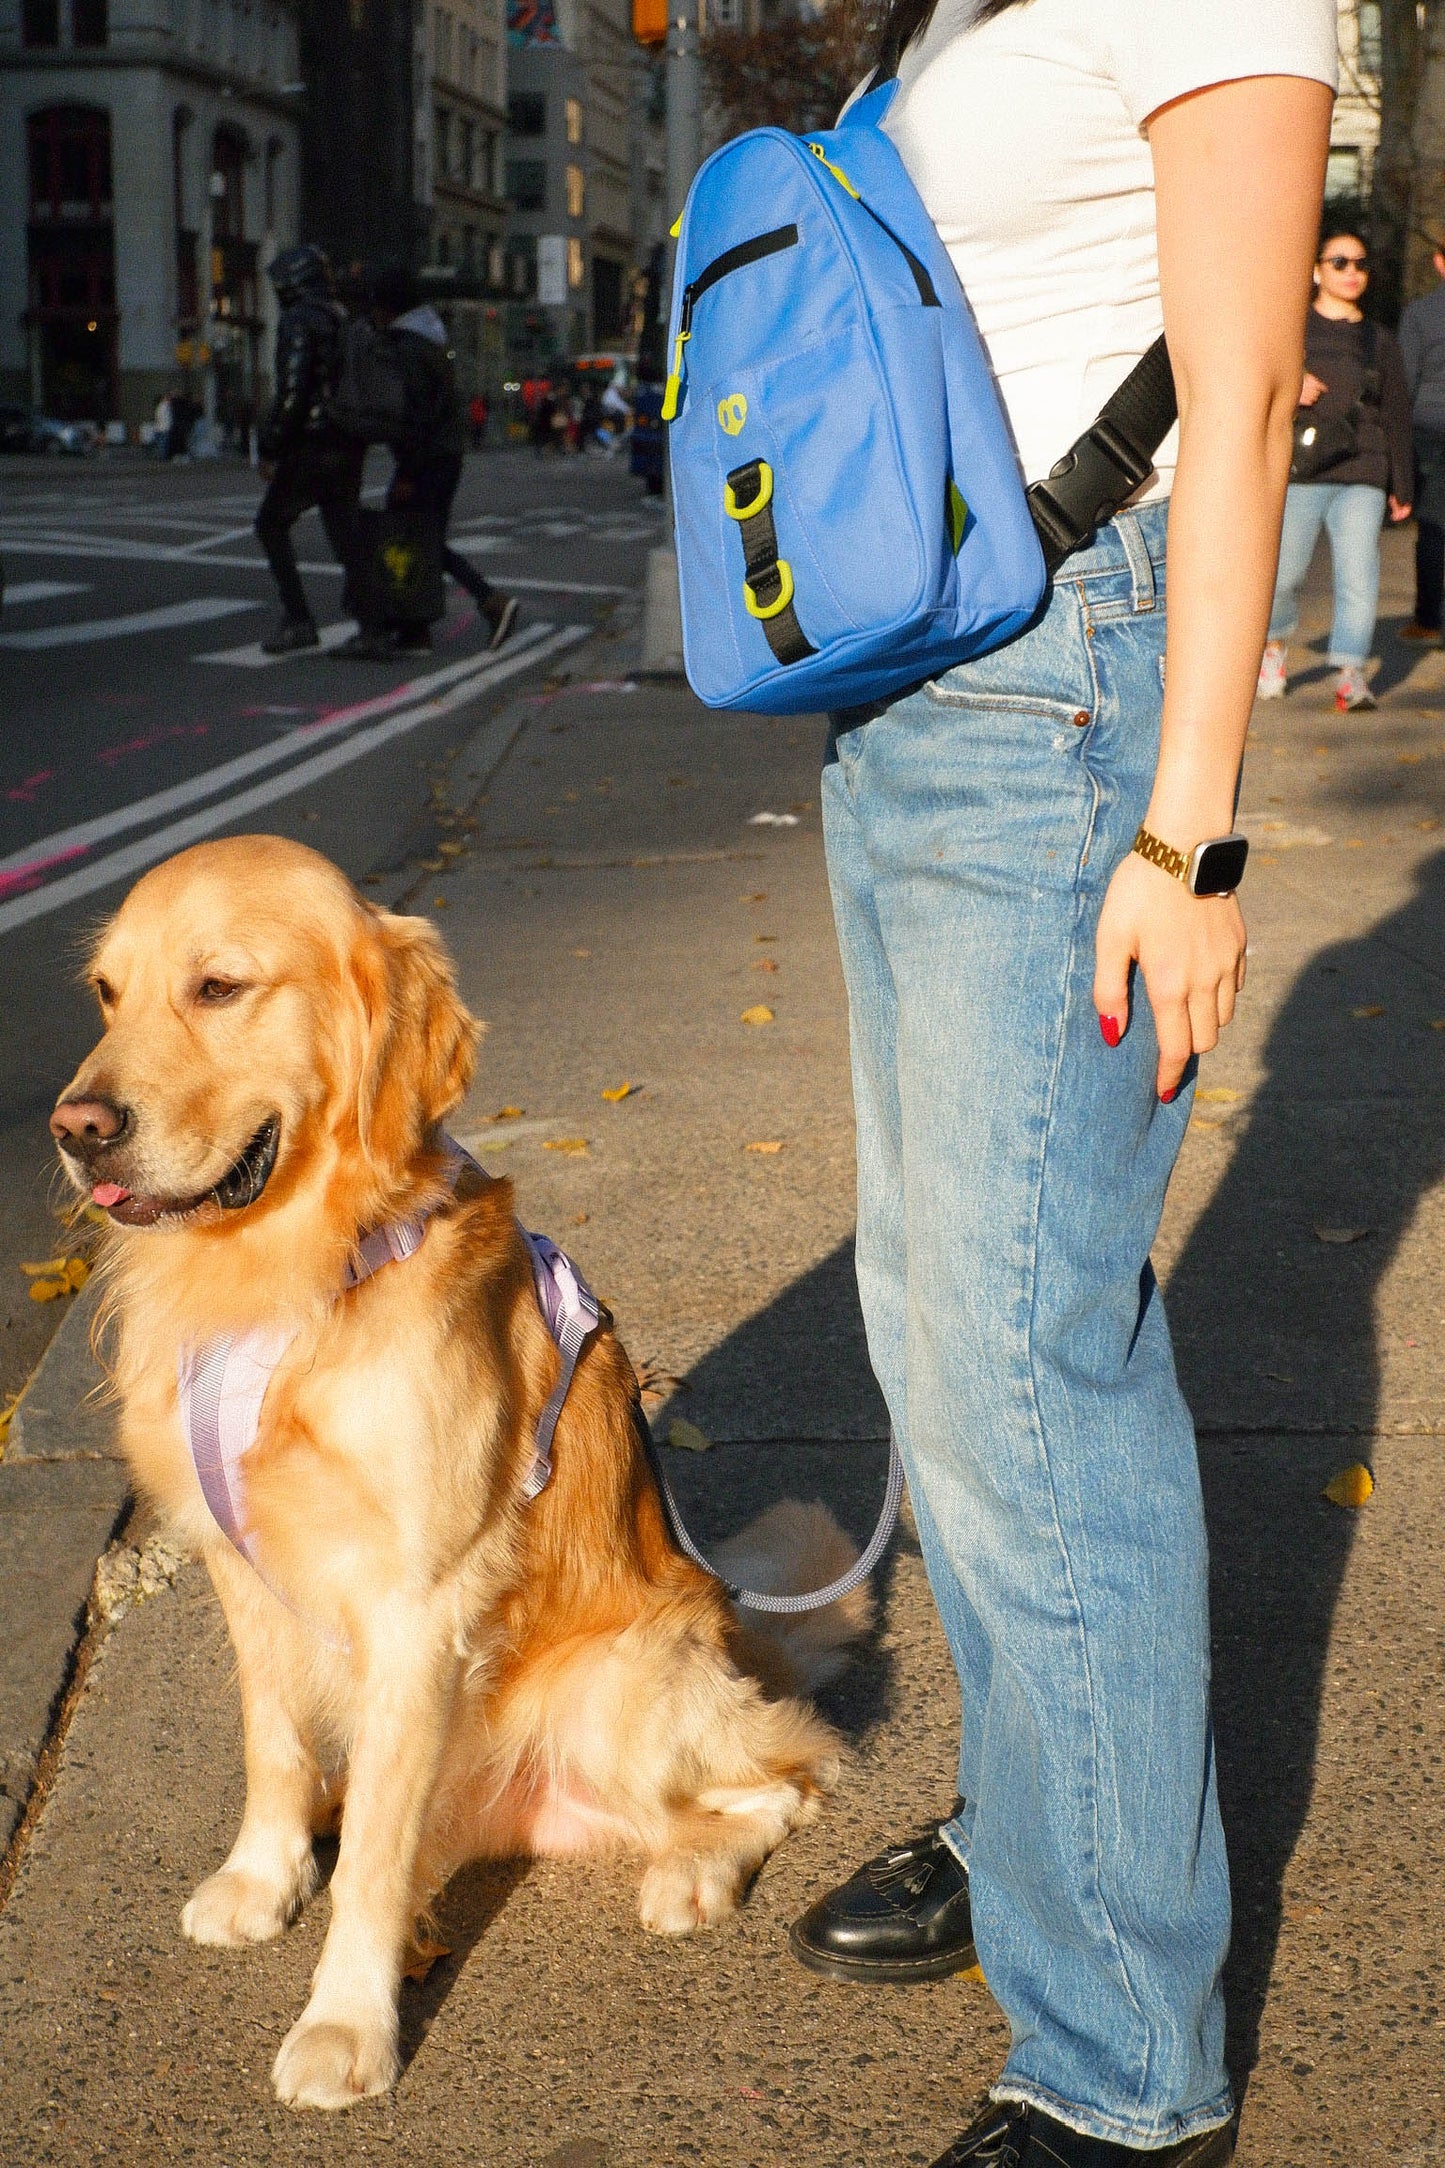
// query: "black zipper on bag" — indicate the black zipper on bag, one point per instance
point(927, 292)
point(733, 259)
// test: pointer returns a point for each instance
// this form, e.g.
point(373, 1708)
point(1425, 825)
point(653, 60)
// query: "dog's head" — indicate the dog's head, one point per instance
point(268, 1035)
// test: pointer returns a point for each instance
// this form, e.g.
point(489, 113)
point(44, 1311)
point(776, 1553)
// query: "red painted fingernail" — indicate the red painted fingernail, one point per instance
point(1172, 1093)
point(1109, 1025)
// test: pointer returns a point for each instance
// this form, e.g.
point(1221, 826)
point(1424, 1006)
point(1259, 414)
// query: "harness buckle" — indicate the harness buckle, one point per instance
point(1085, 489)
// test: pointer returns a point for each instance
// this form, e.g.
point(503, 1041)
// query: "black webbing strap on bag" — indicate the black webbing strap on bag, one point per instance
point(767, 578)
point(1110, 461)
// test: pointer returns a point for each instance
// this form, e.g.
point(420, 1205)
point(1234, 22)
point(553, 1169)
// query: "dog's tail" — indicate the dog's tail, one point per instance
point(788, 1551)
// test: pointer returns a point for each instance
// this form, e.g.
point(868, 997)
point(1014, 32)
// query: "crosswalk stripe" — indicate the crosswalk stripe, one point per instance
point(255, 657)
point(24, 867)
point(197, 611)
point(43, 590)
point(133, 858)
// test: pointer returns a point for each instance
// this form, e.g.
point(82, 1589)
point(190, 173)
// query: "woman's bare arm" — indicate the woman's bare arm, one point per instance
point(1239, 172)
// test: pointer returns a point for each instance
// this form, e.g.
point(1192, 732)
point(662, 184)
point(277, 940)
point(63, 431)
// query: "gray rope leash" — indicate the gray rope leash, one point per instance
point(818, 1600)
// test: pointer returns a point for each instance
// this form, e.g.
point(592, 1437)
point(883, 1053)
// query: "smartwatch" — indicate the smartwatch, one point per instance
point(1213, 868)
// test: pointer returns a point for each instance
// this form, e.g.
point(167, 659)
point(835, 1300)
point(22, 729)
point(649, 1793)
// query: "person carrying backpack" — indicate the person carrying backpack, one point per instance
point(305, 458)
point(428, 442)
point(1032, 870)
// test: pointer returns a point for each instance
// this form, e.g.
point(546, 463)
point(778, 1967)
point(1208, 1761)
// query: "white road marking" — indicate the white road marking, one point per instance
point(135, 857)
point(198, 611)
point(255, 657)
point(43, 590)
point(35, 858)
point(144, 553)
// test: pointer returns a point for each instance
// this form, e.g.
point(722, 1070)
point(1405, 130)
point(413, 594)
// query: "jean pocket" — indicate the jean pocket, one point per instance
point(1046, 673)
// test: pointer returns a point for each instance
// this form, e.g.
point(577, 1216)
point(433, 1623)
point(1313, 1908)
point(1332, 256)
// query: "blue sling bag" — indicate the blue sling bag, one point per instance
point(850, 514)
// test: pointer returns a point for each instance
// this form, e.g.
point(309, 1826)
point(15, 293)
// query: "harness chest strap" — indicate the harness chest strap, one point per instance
point(222, 1383)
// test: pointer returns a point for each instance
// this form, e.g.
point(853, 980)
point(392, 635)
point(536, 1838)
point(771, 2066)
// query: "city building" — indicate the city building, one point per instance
point(462, 98)
point(149, 169)
point(366, 130)
point(584, 176)
point(1355, 131)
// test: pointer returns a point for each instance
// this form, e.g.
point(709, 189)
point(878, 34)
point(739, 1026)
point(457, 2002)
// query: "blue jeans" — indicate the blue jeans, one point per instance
point(1011, 1174)
point(1352, 513)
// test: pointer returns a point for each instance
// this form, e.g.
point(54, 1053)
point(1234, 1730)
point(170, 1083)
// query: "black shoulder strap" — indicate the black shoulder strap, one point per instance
point(1110, 461)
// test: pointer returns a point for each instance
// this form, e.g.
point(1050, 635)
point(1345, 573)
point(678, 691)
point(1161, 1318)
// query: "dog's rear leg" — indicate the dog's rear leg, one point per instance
point(714, 1849)
point(344, 2044)
point(271, 1870)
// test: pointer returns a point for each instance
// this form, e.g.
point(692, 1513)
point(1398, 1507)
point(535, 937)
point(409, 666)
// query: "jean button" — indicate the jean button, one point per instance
point(1081, 717)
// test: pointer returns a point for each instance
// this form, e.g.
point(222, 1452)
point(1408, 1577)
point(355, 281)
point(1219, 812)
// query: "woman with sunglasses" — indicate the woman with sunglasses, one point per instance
point(1355, 388)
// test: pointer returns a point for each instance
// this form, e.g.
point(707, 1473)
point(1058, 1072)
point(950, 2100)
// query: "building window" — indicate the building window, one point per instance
point(442, 139)
point(444, 248)
point(274, 155)
point(496, 264)
point(527, 113)
point(576, 192)
point(487, 177)
point(574, 120)
point(88, 21)
point(468, 158)
point(40, 22)
point(70, 164)
point(527, 183)
point(228, 186)
point(724, 14)
point(575, 270)
point(1342, 175)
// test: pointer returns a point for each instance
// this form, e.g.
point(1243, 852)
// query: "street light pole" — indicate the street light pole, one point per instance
point(662, 607)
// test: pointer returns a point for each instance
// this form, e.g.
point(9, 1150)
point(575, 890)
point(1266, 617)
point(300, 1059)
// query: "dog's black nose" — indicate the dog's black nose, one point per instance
point(86, 1126)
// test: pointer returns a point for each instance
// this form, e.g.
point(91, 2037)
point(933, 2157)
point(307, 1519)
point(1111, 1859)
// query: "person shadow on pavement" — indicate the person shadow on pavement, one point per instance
point(1273, 1307)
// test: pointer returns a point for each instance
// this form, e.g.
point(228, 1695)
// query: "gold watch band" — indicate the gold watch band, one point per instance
point(1162, 855)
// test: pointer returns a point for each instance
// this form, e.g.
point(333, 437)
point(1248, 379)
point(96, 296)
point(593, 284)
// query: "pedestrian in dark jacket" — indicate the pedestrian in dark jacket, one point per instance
point(1422, 344)
point(305, 460)
point(429, 451)
point(1354, 375)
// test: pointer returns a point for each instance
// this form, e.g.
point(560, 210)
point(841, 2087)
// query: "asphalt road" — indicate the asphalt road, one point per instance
point(136, 596)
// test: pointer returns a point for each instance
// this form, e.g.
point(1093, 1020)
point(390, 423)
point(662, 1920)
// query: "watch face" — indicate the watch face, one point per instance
point(1219, 867)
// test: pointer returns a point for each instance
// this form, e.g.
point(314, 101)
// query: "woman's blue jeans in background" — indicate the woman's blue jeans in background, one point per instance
point(1011, 1174)
point(1352, 514)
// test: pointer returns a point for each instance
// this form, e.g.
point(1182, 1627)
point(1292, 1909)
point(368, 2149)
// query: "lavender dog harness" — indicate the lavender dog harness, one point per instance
point(222, 1383)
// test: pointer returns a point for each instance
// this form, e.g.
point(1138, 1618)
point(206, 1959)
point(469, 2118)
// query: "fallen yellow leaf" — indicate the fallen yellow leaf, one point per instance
point(761, 896)
point(764, 963)
point(619, 1092)
point(1437, 1023)
point(48, 1290)
point(1353, 1486)
point(1217, 1095)
point(974, 1972)
point(687, 1437)
point(760, 1013)
point(575, 1145)
point(505, 1114)
point(49, 1267)
point(1371, 1008)
point(763, 1147)
point(1427, 825)
point(440, 903)
point(77, 1272)
point(1202, 1121)
point(1407, 760)
point(582, 953)
point(7, 1414)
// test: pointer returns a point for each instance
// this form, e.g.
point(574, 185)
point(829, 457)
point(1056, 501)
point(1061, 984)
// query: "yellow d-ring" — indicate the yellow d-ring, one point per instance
point(766, 610)
point(764, 496)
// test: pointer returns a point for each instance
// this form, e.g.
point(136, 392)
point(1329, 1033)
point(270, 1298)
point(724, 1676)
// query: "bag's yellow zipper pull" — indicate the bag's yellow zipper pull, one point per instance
point(837, 171)
point(673, 393)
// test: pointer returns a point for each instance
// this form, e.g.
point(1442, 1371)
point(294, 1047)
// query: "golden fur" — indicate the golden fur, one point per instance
point(473, 1674)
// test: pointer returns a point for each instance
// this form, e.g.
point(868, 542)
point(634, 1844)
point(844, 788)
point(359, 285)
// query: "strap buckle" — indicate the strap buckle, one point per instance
point(1085, 489)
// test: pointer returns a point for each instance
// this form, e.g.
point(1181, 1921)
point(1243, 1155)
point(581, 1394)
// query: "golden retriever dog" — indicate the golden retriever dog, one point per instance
point(462, 1671)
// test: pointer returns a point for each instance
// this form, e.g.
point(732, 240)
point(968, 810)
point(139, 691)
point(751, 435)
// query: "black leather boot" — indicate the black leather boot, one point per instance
point(903, 1917)
point(1009, 2136)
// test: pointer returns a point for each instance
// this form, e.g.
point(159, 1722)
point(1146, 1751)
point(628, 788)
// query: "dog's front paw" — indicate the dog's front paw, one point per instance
point(327, 2063)
point(235, 1907)
point(684, 1891)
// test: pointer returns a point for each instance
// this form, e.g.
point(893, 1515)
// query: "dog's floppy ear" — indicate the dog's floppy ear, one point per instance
point(420, 1039)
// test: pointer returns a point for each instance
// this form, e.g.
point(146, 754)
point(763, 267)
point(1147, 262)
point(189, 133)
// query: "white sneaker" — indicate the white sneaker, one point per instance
point(1271, 673)
point(1351, 690)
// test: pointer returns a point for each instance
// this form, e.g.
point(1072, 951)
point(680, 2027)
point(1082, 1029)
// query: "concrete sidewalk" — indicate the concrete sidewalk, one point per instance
point(610, 916)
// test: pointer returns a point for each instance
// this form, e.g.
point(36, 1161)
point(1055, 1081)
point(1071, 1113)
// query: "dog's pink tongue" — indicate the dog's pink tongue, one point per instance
point(106, 1194)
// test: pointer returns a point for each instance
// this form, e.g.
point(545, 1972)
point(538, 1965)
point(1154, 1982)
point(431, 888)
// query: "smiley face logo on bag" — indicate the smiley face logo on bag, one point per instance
point(732, 412)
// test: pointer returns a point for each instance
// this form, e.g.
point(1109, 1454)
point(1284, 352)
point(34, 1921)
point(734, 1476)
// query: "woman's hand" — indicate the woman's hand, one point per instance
point(1313, 389)
point(1399, 511)
point(1190, 951)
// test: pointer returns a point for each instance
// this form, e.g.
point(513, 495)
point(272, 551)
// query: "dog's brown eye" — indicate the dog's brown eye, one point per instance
point(214, 992)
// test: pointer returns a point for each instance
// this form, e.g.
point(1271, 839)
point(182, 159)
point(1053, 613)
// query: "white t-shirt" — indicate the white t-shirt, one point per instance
point(1026, 137)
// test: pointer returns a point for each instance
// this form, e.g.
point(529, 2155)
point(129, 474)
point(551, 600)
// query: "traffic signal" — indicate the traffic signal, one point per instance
point(649, 21)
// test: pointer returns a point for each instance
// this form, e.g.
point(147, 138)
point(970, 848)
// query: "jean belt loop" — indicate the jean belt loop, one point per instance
point(1141, 564)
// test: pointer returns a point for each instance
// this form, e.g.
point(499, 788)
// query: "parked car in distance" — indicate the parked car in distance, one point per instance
point(23, 430)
